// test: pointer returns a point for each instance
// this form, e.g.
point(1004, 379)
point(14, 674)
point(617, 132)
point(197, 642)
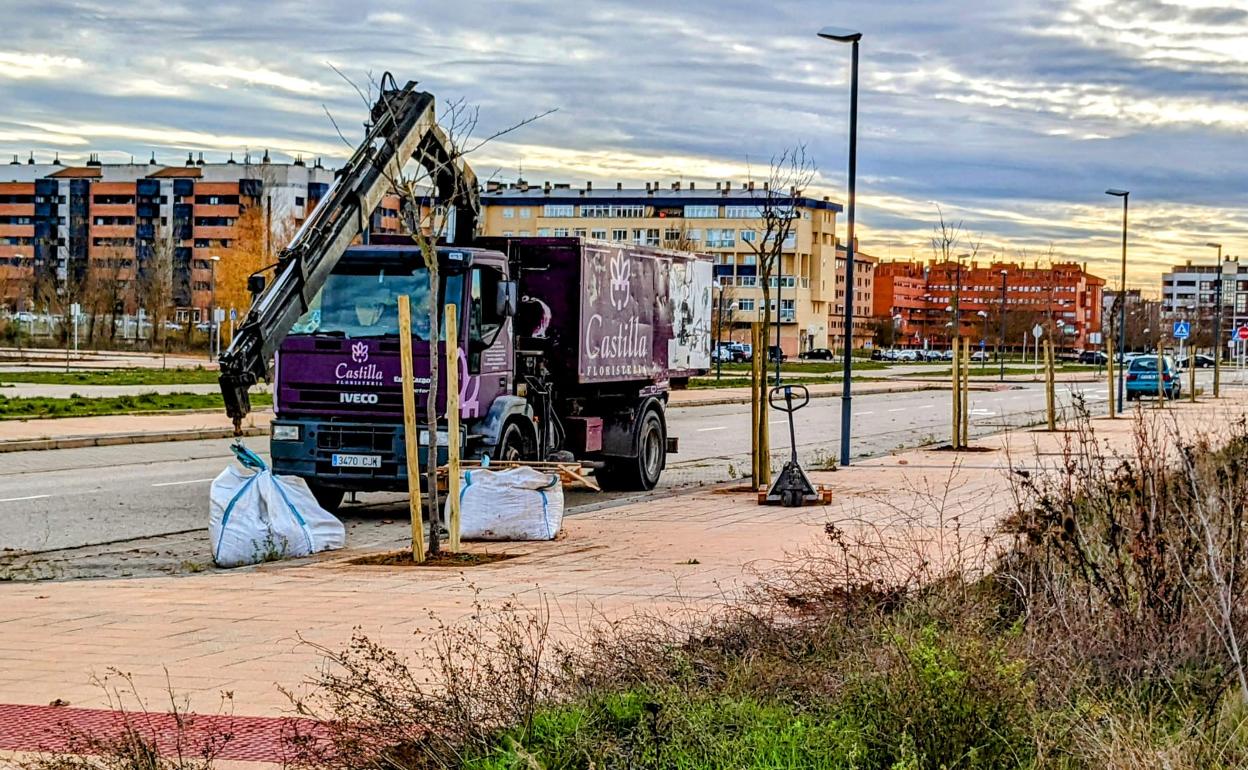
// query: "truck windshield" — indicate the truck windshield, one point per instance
point(365, 303)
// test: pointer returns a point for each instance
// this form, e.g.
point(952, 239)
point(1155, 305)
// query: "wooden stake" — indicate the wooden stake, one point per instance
point(410, 435)
point(1161, 380)
point(1191, 374)
point(1050, 385)
point(1109, 369)
point(764, 430)
point(965, 409)
point(755, 364)
point(955, 437)
point(452, 424)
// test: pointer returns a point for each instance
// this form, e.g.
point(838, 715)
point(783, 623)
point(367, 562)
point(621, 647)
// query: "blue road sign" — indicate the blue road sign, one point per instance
point(1182, 330)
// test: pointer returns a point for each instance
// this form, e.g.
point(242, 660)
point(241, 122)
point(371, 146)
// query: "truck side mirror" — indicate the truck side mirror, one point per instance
point(506, 300)
point(255, 284)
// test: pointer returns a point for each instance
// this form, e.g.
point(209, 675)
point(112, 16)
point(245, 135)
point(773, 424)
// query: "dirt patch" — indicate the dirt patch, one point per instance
point(737, 490)
point(404, 559)
point(968, 449)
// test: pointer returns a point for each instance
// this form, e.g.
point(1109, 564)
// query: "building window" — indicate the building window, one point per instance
point(543, 232)
point(742, 212)
point(745, 305)
point(694, 234)
point(506, 233)
point(721, 239)
point(579, 232)
point(702, 212)
point(619, 235)
point(299, 201)
point(598, 234)
point(509, 212)
point(561, 232)
point(556, 210)
point(671, 234)
point(525, 233)
point(747, 236)
point(525, 212)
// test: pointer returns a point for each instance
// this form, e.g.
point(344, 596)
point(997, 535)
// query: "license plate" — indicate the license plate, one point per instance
point(356, 461)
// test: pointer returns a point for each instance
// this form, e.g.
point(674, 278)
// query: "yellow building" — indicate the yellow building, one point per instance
point(723, 221)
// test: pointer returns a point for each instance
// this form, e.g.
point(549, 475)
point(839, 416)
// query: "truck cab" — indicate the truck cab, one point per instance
point(338, 407)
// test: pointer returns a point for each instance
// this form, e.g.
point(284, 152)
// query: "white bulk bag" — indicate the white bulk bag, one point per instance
point(255, 516)
point(520, 503)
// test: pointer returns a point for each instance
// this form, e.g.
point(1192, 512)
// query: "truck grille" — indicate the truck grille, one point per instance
point(362, 438)
point(329, 399)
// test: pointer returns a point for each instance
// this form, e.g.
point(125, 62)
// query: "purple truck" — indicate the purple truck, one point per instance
point(568, 350)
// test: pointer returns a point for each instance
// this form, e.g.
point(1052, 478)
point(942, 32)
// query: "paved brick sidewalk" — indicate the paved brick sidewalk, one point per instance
point(245, 631)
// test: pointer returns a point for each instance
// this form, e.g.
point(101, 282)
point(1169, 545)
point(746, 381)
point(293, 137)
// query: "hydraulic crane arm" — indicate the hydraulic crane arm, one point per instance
point(403, 125)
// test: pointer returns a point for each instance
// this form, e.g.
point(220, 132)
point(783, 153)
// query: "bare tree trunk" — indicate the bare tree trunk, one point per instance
point(431, 409)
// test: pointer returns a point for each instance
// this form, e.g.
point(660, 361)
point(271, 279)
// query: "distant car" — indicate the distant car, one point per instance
point(946, 355)
point(776, 353)
point(1093, 357)
point(820, 354)
point(731, 352)
point(1200, 361)
point(722, 354)
point(877, 354)
point(907, 355)
point(1142, 378)
point(931, 355)
point(981, 355)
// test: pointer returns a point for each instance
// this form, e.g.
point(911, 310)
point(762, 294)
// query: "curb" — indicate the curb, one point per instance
point(119, 439)
point(745, 399)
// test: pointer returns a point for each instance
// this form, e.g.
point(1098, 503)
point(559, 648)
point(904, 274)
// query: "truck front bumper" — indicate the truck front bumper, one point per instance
point(311, 453)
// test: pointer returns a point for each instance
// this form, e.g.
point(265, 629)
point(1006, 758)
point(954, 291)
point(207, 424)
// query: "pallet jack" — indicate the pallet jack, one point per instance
point(792, 488)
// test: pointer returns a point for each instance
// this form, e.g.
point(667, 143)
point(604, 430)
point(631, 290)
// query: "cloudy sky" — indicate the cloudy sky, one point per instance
point(1013, 116)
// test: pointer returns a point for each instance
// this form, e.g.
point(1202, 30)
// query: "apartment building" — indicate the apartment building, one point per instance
point(1190, 292)
point(917, 300)
point(723, 221)
point(61, 224)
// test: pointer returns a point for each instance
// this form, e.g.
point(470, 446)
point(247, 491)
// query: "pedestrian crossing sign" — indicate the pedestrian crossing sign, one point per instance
point(1182, 330)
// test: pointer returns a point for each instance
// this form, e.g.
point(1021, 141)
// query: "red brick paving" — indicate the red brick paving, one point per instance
point(54, 729)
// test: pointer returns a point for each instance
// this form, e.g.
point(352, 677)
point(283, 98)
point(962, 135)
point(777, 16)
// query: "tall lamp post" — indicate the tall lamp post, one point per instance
point(1122, 287)
point(983, 341)
point(1217, 325)
point(848, 36)
point(214, 344)
point(1001, 376)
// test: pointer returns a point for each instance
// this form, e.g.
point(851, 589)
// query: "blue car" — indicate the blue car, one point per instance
point(1142, 378)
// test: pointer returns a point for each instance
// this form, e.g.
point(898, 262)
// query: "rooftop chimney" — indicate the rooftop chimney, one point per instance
point(546, 187)
point(718, 186)
point(15, 161)
point(200, 162)
point(766, 186)
point(492, 186)
point(619, 185)
point(751, 185)
point(523, 185)
point(318, 164)
point(265, 159)
point(152, 160)
point(231, 161)
point(94, 159)
point(647, 187)
point(31, 160)
point(299, 160)
point(691, 185)
point(190, 159)
point(56, 159)
point(589, 187)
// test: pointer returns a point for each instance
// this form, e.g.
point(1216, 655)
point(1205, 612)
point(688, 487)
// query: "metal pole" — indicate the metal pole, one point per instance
point(1001, 376)
point(1218, 344)
point(1122, 309)
point(719, 337)
point(846, 394)
point(779, 305)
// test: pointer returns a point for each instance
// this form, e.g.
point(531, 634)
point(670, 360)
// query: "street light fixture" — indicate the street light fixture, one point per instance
point(1122, 287)
point(839, 35)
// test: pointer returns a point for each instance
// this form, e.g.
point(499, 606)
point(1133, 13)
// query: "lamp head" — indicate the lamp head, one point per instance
point(1117, 193)
point(1214, 245)
point(840, 34)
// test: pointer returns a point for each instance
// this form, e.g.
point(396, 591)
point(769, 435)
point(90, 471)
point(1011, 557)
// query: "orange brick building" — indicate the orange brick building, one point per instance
point(60, 225)
point(918, 298)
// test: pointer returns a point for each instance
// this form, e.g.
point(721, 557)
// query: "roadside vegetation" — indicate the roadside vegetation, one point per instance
point(38, 407)
point(1099, 626)
point(132, 376)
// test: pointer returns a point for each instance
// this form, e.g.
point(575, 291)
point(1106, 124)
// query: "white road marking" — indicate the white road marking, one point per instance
point(27, 497)
point(177, 483)
point(705, 430)
point(926, 406)
point(862, 414)
point(898, 410)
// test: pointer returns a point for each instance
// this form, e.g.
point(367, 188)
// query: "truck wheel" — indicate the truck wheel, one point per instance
point(641, 472)
point(512, 445)
point(328, 498)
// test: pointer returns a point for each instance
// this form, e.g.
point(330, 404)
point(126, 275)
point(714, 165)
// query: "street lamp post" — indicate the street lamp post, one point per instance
point(214, 344)
point(1122, 287)
point(853, 38)
point(1001, 376)
point(1217, 325)
point(983, 341)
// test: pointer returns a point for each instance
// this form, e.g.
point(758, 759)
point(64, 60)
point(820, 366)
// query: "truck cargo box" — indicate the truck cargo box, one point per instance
point(618, 312)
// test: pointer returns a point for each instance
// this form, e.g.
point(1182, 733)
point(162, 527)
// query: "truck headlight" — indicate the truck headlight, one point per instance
point(285, 432)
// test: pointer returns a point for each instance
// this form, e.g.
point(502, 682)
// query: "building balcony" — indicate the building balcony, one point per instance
point(220, 210)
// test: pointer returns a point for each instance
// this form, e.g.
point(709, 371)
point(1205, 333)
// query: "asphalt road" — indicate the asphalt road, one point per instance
point(75, 498)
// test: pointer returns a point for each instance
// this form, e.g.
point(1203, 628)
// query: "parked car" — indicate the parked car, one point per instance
point(1142, 378)
point(946, 355)
point(931, 355)
point(981, 355)
point(820, 354)
point(908, 355)
point(1093, 357)
point(776, 353)
point(877, 354)
point(731, 352)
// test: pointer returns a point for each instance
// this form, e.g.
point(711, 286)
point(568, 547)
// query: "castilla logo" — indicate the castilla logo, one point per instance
point(621, 271)
point(359, 352)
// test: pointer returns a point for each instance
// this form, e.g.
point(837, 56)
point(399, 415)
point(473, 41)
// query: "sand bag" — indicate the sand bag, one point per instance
point(256, 517)
point(519, 503)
